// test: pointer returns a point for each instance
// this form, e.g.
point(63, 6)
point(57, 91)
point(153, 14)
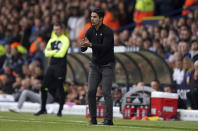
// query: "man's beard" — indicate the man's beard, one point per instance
point(95, 24)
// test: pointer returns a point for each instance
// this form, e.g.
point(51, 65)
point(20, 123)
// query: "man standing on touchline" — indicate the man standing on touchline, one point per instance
point(54, 78)
point(100, 38)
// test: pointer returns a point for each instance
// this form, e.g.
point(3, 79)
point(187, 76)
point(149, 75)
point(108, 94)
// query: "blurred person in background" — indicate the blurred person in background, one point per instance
point(193, 95)
point(155, 84)
point(194, 50)
point(117, 97)
point(5, 85)
point(54, 78)
point(178, 72)
point(31, 95)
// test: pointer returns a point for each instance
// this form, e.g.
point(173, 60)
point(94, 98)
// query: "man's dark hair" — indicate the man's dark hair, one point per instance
point(59, 24)
point(194, 41)
point(99, 11)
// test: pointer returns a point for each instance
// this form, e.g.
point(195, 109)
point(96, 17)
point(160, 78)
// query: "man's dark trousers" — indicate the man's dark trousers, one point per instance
point(105, 75)
point(53, 81)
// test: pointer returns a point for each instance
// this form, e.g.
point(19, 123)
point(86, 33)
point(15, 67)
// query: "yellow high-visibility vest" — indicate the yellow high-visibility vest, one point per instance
point(144, 5)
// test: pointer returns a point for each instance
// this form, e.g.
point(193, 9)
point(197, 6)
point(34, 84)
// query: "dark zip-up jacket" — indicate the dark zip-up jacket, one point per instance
point(102, 45)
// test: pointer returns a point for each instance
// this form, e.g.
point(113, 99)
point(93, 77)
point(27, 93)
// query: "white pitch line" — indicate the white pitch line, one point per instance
point(84, 123)
point(133, 127)
point(36, 121)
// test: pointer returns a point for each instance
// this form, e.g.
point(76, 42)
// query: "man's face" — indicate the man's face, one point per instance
point(95, 19)
point(57, 30)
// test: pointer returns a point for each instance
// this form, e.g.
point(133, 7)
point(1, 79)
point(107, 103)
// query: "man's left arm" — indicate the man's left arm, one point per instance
point(63, 50)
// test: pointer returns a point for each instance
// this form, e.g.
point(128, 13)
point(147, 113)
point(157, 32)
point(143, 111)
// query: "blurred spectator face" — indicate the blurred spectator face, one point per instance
point(194, 28)
point(4, 79)
point(42, 46)
point(187, 63)
point(163, 33)
point(172, 33)
point(62, 15)
point(47, 20)
point(183, 47)
point(147, 44)
point(194, 46)
point(97, 4)
point(139, 84)
point(161, 22)
point(156, 29)
point(18, 79)
point(173, 47)
point(167, 21)
point(55, 19)
point(81, 91)
point(104, 6)
point(131, 41)
point(75, 10)
point(117, 95)
point(7, 70)
point(36, 9)
point(196, 14)
point(57, 30)
point(168, 89)
point(124, 35)
point(157, 35)
point(184, 35)
point(181, 22)
point(179, 64)
point(24, 22)
point(175, 24)
point(171, 39)
point(38, 70)
point(31, 68)
point(128, 100)
point(172, 60)
point(193, 37)
point(189, 21)
point(144, 35)
point(155, 85)
point(161, 52)
point(14, 51)
point(151, 30)
point(37, 22)
point(156, 44)
point(139, 42)
point(7, 48)
point(25, 69)
point(165, 43)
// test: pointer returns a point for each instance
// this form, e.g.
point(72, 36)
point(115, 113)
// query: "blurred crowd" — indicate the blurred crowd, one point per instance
point(26, 26)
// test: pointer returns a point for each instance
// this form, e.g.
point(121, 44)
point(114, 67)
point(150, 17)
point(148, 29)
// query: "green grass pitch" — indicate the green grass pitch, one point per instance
point(27, 122)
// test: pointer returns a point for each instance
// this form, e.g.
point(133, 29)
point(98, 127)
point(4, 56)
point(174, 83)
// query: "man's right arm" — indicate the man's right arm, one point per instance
point(48, 51)
point(84, 48)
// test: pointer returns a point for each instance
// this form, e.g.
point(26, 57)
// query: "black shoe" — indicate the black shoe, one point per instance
point(107, 122)
point(59, 114)
point(93, 122)
point(41, 112)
